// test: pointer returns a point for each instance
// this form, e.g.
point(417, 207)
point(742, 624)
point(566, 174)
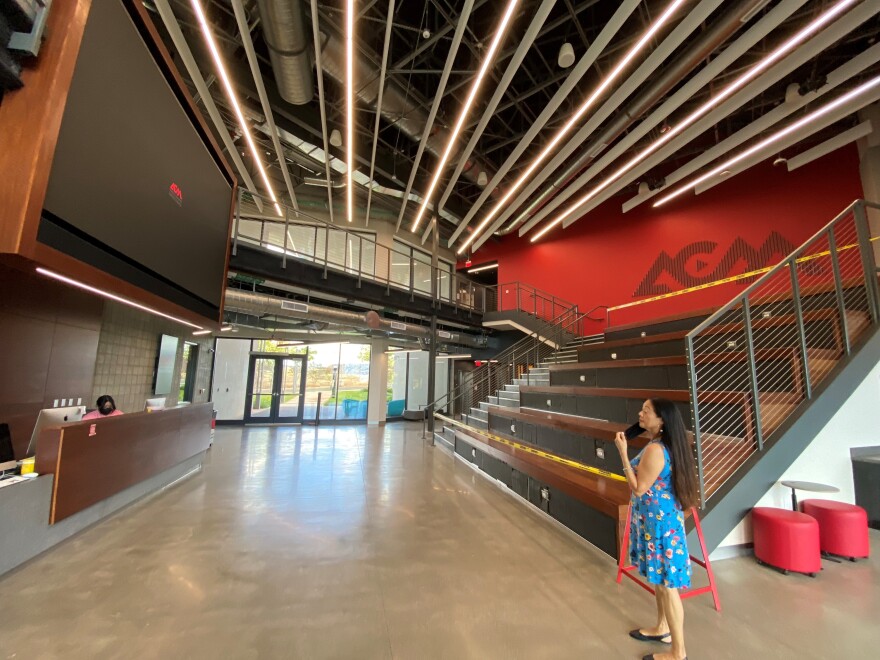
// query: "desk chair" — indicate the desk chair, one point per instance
point(6, 453)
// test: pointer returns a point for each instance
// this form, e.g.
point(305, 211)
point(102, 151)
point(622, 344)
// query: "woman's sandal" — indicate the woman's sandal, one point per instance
point(650, 656)
point(642, 637)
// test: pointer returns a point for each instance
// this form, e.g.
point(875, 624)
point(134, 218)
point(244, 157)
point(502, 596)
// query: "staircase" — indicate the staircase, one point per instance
point(754, 382)
point(508, 395)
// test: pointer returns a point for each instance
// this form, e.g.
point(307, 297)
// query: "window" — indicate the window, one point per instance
point(188, 371)
point(420, 268)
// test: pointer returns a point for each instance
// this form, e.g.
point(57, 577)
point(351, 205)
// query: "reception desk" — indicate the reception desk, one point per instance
point(89, 470)
point(97, 458)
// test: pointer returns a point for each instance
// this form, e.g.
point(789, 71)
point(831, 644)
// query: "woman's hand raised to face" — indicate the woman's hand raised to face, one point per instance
point(620, 443)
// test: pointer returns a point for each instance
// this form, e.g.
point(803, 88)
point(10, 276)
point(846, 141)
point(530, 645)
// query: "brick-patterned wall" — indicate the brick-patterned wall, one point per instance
point(127, 351)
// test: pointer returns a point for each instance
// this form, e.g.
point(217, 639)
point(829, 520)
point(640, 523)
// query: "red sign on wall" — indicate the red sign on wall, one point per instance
point(176, 193)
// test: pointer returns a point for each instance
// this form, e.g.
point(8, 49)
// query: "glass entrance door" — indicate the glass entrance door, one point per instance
point(275, 389)
point(292, 376)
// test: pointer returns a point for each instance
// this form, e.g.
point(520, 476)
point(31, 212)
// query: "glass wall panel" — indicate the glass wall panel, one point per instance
point(302, 240)
point(441, 380)
point(321, 379)
point(354, 381)
point(396, 384)
point(417, 385)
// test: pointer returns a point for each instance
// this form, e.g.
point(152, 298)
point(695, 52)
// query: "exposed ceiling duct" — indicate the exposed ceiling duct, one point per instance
point(285, 36)
point(283, 28)
point(263, 305)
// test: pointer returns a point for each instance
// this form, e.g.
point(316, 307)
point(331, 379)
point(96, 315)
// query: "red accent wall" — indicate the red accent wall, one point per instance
point(603, 258)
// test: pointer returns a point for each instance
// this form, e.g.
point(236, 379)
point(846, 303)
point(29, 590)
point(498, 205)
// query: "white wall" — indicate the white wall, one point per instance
point(230, 377)
point(827, 459)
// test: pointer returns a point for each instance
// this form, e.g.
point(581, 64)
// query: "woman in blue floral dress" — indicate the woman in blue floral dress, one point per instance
point(663, 483)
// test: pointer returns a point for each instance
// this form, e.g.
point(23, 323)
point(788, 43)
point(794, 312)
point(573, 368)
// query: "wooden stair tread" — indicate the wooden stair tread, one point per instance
point(609, 496)
point(595, 428)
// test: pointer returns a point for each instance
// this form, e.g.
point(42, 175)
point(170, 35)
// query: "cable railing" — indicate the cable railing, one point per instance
point(755, 360)
point(297, 234)
point(512, 364)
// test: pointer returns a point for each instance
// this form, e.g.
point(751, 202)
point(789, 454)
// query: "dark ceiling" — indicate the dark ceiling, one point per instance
point(420, 41)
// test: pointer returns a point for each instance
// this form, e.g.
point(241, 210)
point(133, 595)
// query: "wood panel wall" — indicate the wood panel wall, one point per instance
point(48, 345)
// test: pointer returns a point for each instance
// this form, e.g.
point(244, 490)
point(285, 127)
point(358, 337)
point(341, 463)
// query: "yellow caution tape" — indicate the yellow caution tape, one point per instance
point(534, 451)
point(733, 278)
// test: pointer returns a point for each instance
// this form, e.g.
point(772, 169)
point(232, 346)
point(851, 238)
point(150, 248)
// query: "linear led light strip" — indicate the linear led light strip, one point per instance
point(635, 50)
point(209, 40)
point(482, 268)
point(465, 110)
point(349, 100)
point(111, 296)
point(749, 75)
point(813, 116)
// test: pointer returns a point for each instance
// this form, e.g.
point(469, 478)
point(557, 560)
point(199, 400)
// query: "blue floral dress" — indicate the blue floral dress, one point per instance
point(657, 544)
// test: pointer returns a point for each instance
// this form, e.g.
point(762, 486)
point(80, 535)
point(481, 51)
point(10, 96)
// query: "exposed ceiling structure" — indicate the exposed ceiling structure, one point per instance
point(655, 93)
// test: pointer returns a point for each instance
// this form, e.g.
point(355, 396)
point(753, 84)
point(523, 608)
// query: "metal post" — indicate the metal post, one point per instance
point(753, 373)
point(432, 372)
point(868, 266)
point(237, 221)
point(412, 278)
point(799, 316)
point(286, 225)
point(838, 288)
point(326, 250)
point(435, 265)
point(695, 415)
point(360, 259)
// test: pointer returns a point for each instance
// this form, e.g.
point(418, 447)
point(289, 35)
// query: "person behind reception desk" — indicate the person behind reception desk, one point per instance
point(106, 408)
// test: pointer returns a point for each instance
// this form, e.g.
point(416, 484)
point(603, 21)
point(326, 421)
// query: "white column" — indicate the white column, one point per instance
point(378, 393)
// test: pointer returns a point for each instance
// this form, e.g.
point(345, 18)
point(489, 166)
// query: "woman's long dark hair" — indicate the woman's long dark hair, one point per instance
point(684, 469)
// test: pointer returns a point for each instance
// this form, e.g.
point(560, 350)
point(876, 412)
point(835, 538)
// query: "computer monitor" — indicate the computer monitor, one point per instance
point(53, 417)
point(157, 403)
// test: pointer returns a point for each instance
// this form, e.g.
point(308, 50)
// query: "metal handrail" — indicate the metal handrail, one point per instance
point(739, 401)
point(458, 291)
point(505, 368)
point(517, 296)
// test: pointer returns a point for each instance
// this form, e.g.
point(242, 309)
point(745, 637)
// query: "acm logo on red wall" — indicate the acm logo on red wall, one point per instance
point(692, 265)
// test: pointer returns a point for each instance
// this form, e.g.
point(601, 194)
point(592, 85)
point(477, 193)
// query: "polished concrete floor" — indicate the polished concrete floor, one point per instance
point(348, 542)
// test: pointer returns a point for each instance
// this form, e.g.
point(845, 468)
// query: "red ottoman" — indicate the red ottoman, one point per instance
point(843, 528)
point(787, 540)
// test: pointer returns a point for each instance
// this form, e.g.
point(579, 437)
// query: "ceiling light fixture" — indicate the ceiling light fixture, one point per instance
point(566, 56)
point(349, 101)
point(336, 138)
point(202, 332)
point(586, 105)
point(813, 116)
point(111, 296)
point(728, 91)
point(462, 356)
point(224, 77)
point(226, 328)
point(465, 110)
point(482, 268)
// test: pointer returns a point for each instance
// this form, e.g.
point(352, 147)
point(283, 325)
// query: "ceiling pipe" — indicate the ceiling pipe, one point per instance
point(285, 35)
point(734, 51)
point(683, 65)
point(263, 305)
point(837, 30)
point(611, 28)
point(248, 44)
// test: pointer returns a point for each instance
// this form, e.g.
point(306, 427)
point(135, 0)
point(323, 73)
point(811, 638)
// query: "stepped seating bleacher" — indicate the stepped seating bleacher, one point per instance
point(573, 410)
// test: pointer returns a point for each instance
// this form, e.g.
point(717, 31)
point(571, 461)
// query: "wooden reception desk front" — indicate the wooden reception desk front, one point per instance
point(95, 459)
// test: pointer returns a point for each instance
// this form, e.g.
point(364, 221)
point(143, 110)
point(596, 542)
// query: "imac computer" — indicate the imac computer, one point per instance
point(155, 404)
point(53, 417)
